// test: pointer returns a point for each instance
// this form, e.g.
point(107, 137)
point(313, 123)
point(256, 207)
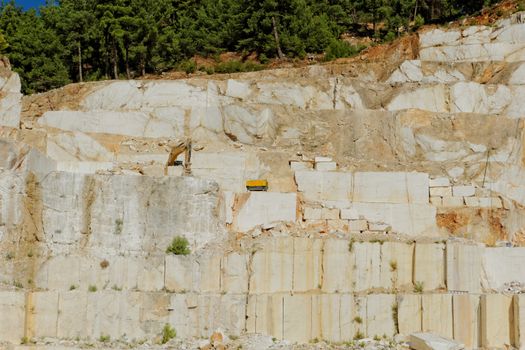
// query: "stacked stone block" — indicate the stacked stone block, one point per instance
point(289, 288)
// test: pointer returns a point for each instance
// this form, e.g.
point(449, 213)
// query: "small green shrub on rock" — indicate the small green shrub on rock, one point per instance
point(418, 287)
point(340, 49)
point(168, 333)
point(104, 338)
point(179, 246)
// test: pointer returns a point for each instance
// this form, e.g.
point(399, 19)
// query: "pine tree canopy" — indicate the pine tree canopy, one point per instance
point(81, 40)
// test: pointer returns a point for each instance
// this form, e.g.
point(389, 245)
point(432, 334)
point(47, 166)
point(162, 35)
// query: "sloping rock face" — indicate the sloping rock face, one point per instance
point(10, 96)
point(394, 205)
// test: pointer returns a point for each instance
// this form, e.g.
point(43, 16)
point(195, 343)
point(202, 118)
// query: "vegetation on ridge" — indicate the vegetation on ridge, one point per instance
point(79, 40)
point(179, 246)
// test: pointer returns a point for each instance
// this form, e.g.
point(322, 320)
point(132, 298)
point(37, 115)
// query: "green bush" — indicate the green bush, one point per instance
point(168, 333)
point(340, 49)
point(179, 246)
point(418, 287)
point(263, 58)
point(390, 36)
point(104, 338)
point(419, 21)
point(188, 66)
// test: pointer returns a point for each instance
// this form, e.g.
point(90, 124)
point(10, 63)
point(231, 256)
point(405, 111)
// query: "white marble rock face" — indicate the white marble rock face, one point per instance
point(95, 195)
point(10, 99)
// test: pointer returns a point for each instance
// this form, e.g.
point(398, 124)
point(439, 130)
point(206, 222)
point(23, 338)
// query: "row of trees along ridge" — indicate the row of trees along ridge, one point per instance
point(79, 40)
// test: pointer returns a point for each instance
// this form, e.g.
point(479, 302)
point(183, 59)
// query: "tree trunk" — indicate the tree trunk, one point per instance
point(114, 59)
point(80, 73)
point(277, 42)
point(142, 66)
point(415, 10)
point(128, 73)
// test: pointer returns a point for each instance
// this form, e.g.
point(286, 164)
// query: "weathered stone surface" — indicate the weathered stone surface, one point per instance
point(76, 147)
point(178, 275)
point(132, 219)
point(414, 72)
point(119, 123)
point(319, 186)
point(518, 76)
point(464, 267)
point(372, 187)
point(336, 317)
point(289, 94)
point(463, 191)
point(379, 321)
point(307, 264)
point(234, 269)
point(467, 317)
point(283, 316)
point(396, 265)
point(496, 327)
point(514, 34)
point(441, 191)
point(349, 214)
point(298, 318)
point(437, 314)
point(453, 202)
point(409, 71)
point(429, 265)
point(429, 98)
point(260, 208)
point(391, 188)
point(326, 166)
point(265, 314)
point(228, 201)
point(12, 316)
point(430, 341)
point(338, 262)
point(229, 169)
point(502, 266)
point(330, 214)
point(474, 53)
point(298, 166)
point(409, 219)
point(44, 314)
point(238, 89)
point(519, 321)
point(367, 266)
point(439, 182)
point(272, 267)
point(72, 315)
point(10, 99)
point(475, 98)
point(312, 214)
point(439, 37)
point(358, 225)
point(409, 313)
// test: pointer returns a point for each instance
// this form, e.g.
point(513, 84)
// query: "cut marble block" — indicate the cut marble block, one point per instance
point(409, 313)
point(437, 314)
point(464, 267)
point(496, 324)
point(429, 265)
point(467, 319)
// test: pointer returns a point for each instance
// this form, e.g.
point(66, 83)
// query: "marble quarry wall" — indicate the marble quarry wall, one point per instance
point(395, 201)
